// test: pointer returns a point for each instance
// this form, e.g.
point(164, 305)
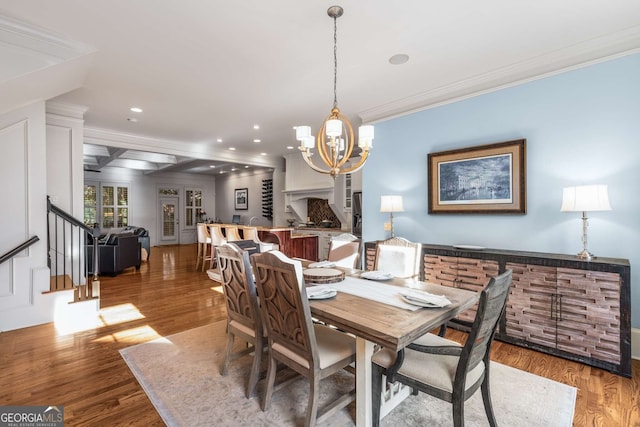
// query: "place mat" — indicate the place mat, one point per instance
point(375, 291)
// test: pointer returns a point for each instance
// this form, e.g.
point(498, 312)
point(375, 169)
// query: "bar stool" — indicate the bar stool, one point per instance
point(204, 241)
point(217, 239)
point(232, 233)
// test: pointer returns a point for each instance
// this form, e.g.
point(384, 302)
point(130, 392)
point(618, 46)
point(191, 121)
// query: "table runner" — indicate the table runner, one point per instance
point(373, 290)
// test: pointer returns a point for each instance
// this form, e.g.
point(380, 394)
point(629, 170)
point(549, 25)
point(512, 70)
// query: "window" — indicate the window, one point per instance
point(109, 207)
point(193, 207)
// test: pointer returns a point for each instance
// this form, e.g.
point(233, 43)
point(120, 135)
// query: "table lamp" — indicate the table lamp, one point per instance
point(391, 204)
point(582, 199)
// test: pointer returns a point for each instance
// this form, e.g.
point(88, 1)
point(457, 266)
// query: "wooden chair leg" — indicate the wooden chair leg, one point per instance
point(227, 356)
point(255, 367)
point(271, 378)
point(458, 410)
point(486, 399)
point(376, 394)
point(199, 255)
point(312, 408)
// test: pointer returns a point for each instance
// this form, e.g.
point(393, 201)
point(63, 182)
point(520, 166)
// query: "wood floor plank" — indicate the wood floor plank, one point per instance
point(84, 372)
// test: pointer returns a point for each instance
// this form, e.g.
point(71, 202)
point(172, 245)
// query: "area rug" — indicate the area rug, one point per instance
point(181, 375)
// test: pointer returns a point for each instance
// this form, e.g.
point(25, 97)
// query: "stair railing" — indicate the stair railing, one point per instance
point(68, 242)
point(21, 247)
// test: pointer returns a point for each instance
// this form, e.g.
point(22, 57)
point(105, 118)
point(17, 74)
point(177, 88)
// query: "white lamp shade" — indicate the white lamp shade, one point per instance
point(365, 136)
point(302, 132)
point(333, 127)
point(308, 141)
point(391, 204)
point(585, 198)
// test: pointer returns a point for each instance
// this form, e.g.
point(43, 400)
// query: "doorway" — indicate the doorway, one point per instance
point(169, 221)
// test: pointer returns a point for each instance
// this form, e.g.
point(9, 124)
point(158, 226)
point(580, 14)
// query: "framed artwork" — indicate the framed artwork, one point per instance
point(479, 180)
point(241, 198)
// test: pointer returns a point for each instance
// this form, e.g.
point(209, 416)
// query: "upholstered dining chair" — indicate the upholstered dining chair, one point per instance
point(398, 257)
point(243, 315)
point(232, 233)
point(251, 233)
point(217, 239)
point(344, 250)
point(312, 350)
point(443, 368)
point(204, 241)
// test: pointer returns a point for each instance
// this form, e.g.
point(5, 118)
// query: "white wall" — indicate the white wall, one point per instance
point(225, 189)
point(581, 127)
point(23, 169)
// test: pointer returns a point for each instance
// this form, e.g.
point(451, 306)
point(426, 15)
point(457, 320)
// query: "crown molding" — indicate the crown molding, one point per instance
point(580, 55)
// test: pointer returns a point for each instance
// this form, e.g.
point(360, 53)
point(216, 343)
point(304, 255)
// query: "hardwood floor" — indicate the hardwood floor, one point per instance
point(84, 372)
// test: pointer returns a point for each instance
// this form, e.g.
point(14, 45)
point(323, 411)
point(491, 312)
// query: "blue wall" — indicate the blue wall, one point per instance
point(581, 127)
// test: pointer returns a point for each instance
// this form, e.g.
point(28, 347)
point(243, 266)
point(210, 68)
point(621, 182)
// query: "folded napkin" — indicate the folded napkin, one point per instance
point(376, 275)
point(319, 291)
point(322, 264)
point(424, 297)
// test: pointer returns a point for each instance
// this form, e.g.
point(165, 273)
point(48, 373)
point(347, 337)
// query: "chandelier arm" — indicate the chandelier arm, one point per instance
point(358, 165)
point(307, 158)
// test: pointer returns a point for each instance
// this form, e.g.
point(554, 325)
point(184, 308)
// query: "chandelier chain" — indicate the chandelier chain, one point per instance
point(335, 61)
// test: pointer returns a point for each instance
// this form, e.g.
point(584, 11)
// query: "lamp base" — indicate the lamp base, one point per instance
point(586, 255)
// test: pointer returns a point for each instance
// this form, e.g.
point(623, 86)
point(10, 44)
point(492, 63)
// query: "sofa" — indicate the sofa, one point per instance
point(115, 253)
point(143, 238)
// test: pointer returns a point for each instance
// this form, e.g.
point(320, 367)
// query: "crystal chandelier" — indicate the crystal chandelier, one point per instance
point(335, 141)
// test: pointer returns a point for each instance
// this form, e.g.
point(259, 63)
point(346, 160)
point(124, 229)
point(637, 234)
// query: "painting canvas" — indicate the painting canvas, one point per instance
point(484, 179)
point(241, 199)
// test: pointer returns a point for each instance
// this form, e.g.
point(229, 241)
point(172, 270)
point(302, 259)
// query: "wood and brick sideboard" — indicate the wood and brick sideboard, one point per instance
point(558, 304)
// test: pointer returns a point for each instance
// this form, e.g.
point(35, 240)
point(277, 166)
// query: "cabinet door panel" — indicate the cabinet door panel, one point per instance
point(589, 313)
point(529, 313)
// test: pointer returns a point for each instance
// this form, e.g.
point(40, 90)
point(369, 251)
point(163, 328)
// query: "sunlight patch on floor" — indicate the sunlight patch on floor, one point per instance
point(130, 336)
point(120, 313)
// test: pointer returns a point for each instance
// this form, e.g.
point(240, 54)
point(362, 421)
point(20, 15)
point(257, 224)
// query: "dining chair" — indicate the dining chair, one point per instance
point(251, 233)
point(203, 244)
point(344, 250)
point(232, 233)
point(398, 257)
point(243, 315)
point(312, 350)
point(443, 368)
point(217, 239)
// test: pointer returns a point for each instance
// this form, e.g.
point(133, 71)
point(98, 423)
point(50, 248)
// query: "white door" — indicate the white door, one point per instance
point(169, 230)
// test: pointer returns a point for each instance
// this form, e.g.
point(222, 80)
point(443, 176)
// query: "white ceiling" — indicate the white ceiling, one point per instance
point(203, 70)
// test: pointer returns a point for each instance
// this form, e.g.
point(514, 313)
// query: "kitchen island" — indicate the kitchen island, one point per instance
point(298, 244)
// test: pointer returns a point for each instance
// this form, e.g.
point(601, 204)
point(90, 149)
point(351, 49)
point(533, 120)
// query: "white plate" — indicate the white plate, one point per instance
point(323, 295)
point(470, 247)
point(376, 275)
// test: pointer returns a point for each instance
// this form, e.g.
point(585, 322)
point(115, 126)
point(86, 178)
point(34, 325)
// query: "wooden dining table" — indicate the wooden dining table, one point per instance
point(376, 323)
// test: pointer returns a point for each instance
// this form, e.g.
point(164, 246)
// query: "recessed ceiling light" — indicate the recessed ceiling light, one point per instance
point(132, 119)
point(256, 127)
point(263, 154)
point(219, 140)
point(399, 59)
point(221, 172)
point(233, 169)
point(246, 166)
point(257, 140)
point(136, 109)
point(212, 166)
point(289, 147)
point(232, 148)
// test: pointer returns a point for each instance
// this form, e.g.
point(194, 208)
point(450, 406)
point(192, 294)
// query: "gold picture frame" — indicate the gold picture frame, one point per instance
point(486, 179)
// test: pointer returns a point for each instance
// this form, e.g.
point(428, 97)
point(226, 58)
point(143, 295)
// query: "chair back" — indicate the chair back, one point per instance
point(285, 309)
point(493, 300)
point(399, 257)
point(232, 234)
point(217, 238)
point(203, 233)
point(239, 286)
point(344, 250)
point(251, 233)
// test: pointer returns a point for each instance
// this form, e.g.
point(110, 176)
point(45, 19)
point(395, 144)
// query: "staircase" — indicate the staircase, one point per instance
point(68, 241)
